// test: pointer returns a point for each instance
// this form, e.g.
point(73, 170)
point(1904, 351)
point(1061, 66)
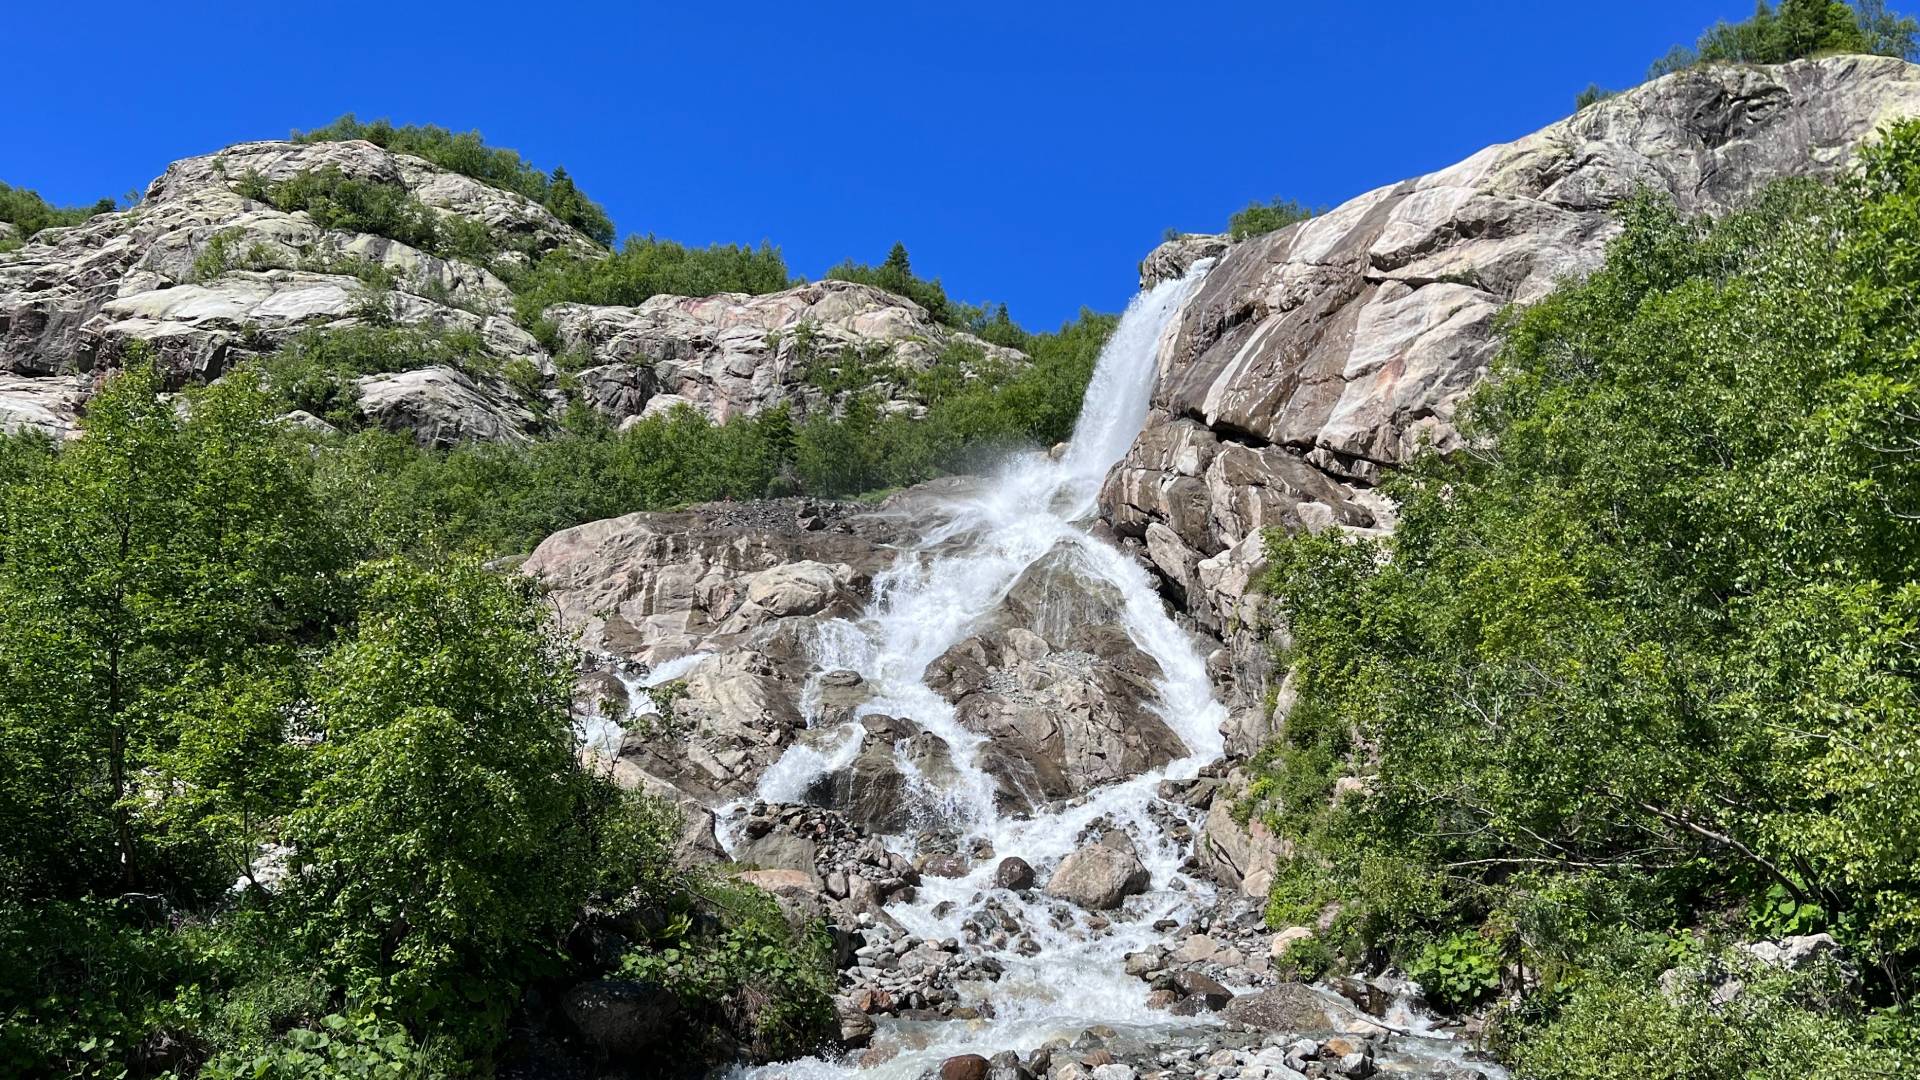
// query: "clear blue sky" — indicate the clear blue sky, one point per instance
point(1027, 152)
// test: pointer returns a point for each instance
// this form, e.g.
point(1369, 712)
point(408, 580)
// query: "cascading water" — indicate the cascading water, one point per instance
point(1036, 506)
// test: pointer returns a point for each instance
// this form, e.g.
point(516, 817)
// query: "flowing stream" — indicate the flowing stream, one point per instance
point(1034, 507)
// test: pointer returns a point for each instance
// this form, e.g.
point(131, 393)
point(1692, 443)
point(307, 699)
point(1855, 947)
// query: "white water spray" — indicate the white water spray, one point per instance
point(931, 599)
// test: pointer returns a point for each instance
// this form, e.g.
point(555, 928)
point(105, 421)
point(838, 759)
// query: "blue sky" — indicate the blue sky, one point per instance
point(1027, 152)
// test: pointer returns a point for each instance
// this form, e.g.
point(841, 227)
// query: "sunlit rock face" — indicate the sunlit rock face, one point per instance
point(1312, 358)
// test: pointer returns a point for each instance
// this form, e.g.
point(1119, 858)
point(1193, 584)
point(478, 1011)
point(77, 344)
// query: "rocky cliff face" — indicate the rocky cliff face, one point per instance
point(1315, 357)
point(209, 276)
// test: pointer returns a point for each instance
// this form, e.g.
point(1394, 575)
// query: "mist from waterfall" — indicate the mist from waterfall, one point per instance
point(936, 595)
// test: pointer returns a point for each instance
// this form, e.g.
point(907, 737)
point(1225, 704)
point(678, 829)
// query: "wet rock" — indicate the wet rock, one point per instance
point(1098, 878)
point(1013, 873)
point(1209, 991)
point(1006, 1065)
point(965, 1067)
point(856, 1027)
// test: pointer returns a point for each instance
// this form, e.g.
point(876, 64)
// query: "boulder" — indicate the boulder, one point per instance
point(1177, 254)
point(1013, 873)
point(1098, 878)
point(443, 406)
point(965, 1067)
point(1291, 1008)
point(1208, 990)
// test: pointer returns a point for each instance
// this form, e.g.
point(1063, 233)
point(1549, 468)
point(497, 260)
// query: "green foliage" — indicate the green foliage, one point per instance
point(729, 956)
point(1642, 656)
point(316, 369)
point(1594, 94)
point(222, 254)
point(1618, 1021)
point(360, 1047)
point(1259, 218)
point(448, 835)
point(1797, 29)
point(896, 276)
point(646, 267)
point(337, 201)
point(160, 572)
point(496, 499)
point(193, 670)
point(1456, 971)
point(468, 154)
point(27, 212)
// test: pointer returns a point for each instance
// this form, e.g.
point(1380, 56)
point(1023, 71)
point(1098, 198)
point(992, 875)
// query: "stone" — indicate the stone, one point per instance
point(1287, 939)
point(1290, 1008)
point(964, 1067)
point(1310, 359)
point(1062, 694)
point(856, 1027)
point(1006, 1065)
point(1114, 1071)
point(443, 407)
point(1205, 988)
point(1098, 878)
point(738, 355)
point(1176, 255)
point(1013, 873)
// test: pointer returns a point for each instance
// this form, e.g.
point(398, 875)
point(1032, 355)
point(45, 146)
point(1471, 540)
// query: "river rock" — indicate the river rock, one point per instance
point(964, 1067)
point(1098, 878)
point(1313, 358)
point(1289, 1007)
point(1204, 988)
point(1013, 873)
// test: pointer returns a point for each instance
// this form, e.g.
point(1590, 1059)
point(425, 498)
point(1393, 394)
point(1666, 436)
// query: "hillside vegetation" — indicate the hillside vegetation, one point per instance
point(1635, 677)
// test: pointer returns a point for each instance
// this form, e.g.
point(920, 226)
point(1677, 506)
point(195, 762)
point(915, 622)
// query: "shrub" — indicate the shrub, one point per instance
point(1260, 218)
point(740, 969)
point(466, 153)
point(317, 370)
point(27, 212)
point(1617, 1020)
point(896, 276)
point(646, 267)
point(1640, 658)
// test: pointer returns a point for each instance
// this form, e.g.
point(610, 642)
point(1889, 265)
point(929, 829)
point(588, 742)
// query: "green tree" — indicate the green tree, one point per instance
point(156, 558)
point(1643, 653)
point(1259, 218)
point(449, 834)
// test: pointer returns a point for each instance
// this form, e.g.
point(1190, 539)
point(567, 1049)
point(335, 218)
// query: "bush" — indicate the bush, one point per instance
point(27, 212)
point(337, 201)
point(1260, 218)
point(466, 153)
point(317, 369)
point(755, 984)
point(1797, 29)
point(1640, 658)
point(646, 267)
point(1616, 1020)
point(361, 1047)
point(896, 276)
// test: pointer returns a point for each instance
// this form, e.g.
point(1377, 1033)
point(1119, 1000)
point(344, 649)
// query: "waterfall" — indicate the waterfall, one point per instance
point(1034, 506)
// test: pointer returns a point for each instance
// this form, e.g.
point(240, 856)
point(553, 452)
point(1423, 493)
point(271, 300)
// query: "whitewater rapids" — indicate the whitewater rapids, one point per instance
point(1035, 506)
